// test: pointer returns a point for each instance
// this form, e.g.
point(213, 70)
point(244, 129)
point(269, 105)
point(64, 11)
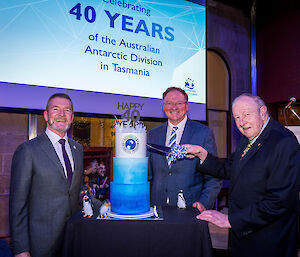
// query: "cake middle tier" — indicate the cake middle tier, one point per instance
point(130, 170)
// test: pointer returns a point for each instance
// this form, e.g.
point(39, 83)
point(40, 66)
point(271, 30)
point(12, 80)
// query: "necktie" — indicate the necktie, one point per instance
point(246, 150)
point(173, 137)
point(67, 160)
point(172, 142)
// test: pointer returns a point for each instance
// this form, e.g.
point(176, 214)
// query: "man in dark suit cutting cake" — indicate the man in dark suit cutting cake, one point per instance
point(264, 183)
point(166, 178)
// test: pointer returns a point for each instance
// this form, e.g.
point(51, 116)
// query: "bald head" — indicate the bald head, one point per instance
point(250, 114)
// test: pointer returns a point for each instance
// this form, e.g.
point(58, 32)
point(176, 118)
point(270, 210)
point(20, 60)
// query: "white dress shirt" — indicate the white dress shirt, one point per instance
point(262, 129)
point(54, 138)
point(178, 132)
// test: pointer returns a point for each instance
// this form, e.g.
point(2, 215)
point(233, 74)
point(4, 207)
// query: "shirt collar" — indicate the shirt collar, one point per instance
point(180, 125)
point(262, 129)
point(54, 137)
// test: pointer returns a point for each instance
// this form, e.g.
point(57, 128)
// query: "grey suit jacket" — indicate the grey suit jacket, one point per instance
point(183, 174)
point(41, 200)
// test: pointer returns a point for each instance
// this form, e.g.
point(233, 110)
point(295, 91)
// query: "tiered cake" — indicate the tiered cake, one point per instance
point(130, 189)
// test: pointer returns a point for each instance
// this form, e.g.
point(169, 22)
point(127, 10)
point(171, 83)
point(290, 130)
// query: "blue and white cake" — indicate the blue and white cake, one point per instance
point(130, 189)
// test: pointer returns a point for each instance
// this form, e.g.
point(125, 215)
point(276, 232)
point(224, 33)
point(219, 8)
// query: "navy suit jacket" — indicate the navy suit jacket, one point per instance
point(263, 193)
point(183, 174)
point(41, 200)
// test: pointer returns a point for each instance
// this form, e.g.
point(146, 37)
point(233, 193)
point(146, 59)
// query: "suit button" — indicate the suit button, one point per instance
point(170, 173)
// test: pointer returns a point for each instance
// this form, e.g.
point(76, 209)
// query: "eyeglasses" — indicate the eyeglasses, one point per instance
point(179, 104)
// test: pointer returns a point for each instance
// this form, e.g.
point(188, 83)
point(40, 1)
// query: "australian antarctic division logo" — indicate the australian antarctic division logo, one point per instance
point(189, 83)
point(189, 86)
point(130, 143)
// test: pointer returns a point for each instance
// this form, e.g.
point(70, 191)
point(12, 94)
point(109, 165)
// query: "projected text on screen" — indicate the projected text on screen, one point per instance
point(124, 47)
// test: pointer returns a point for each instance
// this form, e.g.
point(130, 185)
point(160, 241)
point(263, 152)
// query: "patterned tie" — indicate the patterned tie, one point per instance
point(246, 150)
point(172, 142)
point(67, 160)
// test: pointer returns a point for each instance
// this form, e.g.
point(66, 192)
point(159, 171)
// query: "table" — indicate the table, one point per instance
point(179, 234)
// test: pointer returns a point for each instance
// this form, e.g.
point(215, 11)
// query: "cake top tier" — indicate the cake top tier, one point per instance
point(130, 140)
point(129, 127)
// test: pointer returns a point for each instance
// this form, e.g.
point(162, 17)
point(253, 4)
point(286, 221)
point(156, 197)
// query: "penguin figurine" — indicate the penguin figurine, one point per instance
point(87, 208)
point(180, 200)
point(104, 209)
point(155, 211)
point(83, 192)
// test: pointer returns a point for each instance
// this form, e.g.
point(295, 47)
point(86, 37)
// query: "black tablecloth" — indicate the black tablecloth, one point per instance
point(179, 234)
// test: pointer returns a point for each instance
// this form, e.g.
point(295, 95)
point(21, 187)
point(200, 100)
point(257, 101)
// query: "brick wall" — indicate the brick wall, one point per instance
point(13, 132)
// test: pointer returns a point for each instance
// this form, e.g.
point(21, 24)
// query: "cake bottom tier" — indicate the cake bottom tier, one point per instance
point(130, 198)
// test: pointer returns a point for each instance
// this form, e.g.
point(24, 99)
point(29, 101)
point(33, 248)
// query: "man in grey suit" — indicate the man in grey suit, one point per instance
point(46, 177)
point(168, 179)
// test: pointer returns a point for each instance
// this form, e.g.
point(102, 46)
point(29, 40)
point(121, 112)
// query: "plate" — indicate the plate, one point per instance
point(145, 215)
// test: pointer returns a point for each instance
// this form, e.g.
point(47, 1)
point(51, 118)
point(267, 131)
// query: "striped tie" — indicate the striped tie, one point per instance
point(173, 137)
point(172, 142)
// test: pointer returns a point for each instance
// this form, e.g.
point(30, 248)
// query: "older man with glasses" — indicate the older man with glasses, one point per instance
point(168, 179)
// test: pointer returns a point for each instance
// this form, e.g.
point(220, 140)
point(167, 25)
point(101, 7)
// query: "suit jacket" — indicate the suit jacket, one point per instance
point(183, 174)
point(41, 200)
point(263, 193)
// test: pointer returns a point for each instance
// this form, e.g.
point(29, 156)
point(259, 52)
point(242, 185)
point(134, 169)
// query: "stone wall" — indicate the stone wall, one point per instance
point(228, 34)
point(13, 132)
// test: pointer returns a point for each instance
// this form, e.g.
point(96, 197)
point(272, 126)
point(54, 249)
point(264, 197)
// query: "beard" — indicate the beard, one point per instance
point(59, 129)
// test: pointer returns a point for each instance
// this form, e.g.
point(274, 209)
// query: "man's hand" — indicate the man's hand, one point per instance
point(195, 150)
point(215, 217)
point(24, 254)
point(199, 206)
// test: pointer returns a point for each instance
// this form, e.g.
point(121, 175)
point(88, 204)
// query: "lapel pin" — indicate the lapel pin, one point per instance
point(74, 146)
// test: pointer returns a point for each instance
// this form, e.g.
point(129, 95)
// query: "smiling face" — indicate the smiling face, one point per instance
point(59, 115)
point(175, 106)
point(249, 117)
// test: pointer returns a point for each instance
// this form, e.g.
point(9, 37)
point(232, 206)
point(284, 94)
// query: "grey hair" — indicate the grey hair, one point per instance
point(59, 95)
point(259, 102)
